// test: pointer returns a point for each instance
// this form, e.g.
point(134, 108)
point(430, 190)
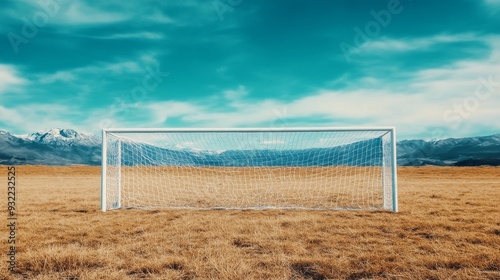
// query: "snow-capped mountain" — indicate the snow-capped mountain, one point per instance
point(50, 147)
point(339, 155)
point(67, 147)
point(64, 137)
point(484, 150)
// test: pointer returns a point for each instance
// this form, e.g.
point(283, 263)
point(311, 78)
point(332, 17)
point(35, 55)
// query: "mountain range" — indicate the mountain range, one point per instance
point(69, 147)
point(50, 147)
point(470, 151)
point(339, 155)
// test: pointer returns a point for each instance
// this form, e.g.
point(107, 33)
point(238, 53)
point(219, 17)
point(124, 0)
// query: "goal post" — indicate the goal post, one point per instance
point(249, 168)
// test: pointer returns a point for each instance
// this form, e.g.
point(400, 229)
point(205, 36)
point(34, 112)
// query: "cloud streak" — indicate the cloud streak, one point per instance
point(9, 78)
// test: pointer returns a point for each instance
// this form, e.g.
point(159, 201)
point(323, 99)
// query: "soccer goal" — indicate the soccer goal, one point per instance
point(249, 168)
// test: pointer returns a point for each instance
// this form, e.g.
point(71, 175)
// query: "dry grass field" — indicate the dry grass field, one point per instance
point(448, 227)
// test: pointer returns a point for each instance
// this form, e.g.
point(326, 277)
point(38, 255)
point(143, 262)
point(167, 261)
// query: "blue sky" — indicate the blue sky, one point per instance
point(430, 68)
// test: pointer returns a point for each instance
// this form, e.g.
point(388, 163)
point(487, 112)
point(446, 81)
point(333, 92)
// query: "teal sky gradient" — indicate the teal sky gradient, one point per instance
point(430, 68)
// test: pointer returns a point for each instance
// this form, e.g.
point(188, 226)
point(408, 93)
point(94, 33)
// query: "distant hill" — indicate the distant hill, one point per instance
point(69, 147)
point(340, 155)
point(471, 151)
point(50, 147)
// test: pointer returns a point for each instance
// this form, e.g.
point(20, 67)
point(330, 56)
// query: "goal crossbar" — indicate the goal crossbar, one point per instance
point(254, 129)
point(123, 141)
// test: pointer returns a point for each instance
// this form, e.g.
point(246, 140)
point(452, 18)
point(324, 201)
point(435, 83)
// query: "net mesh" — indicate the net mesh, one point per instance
point(247, 169)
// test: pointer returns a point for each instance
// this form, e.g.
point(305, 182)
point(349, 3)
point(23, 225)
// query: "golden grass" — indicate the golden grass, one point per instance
point(448, 227)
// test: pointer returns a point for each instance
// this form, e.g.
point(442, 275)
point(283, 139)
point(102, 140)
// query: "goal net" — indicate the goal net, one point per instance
point(293, 168)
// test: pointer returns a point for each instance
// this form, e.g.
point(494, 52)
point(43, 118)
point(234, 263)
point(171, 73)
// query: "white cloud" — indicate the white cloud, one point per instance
point(34, 117)
point(135, 35)
point(237, 94)
point(415, 105)
point(10, 116)
point(427, 95)
point(158, 16)
point(9, 78)
point(115, 68)
point(493, 2)
point(162, 111)
point(244, 114)
point(461, 79)
point(149, 58)
point(58, 76)
point(402, 45)
point(77, 12)
point(118, 67)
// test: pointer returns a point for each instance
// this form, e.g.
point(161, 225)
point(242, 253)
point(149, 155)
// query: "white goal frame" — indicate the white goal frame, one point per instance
point(393, 157)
